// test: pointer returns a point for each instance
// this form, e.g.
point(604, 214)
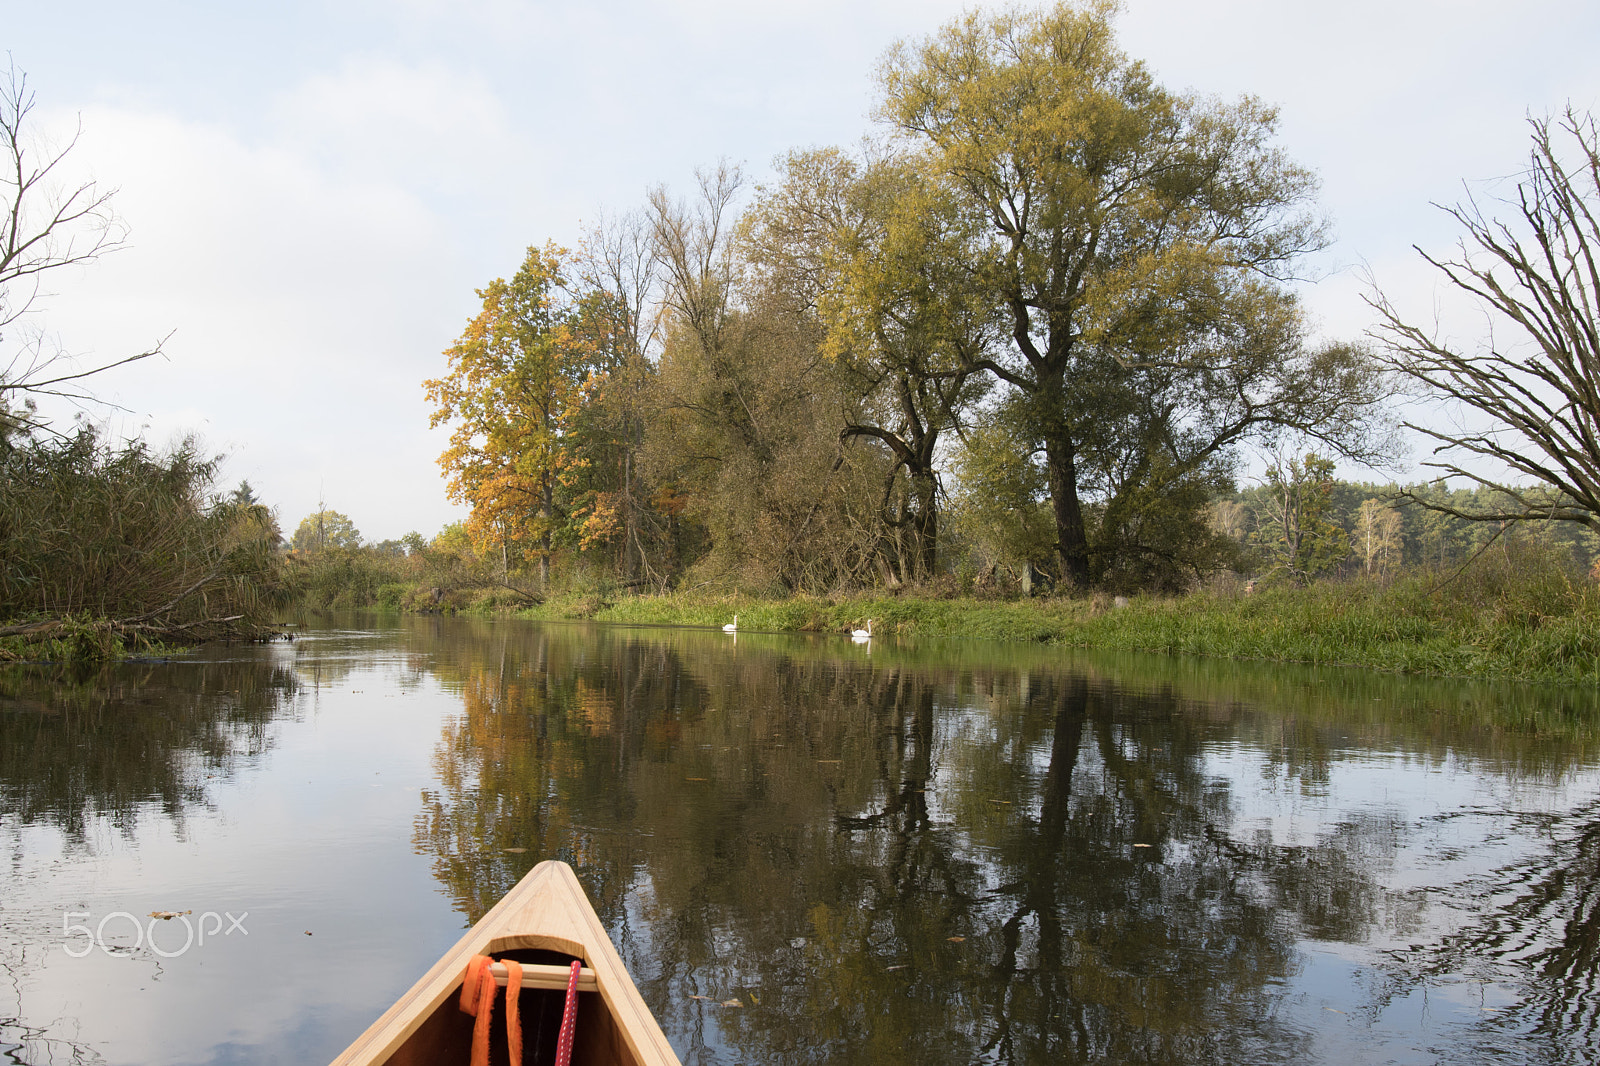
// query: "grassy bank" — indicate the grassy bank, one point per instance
point(1507, 618)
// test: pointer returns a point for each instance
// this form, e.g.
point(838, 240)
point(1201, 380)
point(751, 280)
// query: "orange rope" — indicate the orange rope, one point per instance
point(513, 1019)
point(477, 999)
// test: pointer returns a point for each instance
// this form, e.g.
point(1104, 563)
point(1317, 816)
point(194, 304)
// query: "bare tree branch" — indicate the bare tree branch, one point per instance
point(46, 226)
point(1541, 393)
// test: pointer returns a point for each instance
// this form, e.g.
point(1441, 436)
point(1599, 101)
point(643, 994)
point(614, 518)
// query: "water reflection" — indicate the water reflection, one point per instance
point(812, 853)
point(108, 744)
point(1540, 940)
point(946, 863)
point(87, 753)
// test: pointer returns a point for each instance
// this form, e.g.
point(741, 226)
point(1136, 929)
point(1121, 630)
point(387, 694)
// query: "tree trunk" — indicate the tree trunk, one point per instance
point(926, 526)
point(630, 521)
point(548, 513)
point(1072, 711)
point(1072, 539)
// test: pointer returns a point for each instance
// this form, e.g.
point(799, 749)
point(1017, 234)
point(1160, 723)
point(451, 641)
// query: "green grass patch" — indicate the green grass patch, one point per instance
point(1530, 627)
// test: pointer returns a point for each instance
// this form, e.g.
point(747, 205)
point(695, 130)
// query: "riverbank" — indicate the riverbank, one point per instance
point(1480, 624)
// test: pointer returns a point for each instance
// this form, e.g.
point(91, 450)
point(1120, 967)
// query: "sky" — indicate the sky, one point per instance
point(315, 191)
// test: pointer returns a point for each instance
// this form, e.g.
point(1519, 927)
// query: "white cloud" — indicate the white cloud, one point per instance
point(305, 304)
point(426, 126)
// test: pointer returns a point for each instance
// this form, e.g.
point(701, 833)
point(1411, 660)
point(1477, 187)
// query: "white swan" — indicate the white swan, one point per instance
point(733, 626)
point(862, 634)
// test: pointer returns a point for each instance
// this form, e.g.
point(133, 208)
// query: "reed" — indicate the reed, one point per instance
point(117, 547)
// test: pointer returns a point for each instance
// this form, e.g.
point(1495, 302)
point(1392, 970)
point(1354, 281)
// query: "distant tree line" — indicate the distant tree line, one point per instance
point(1301, 523)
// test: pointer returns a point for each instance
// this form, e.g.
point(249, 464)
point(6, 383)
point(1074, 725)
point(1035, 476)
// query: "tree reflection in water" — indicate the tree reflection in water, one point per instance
point(1540, 942)
point(116, 742)
point(111, 746)
point(893, 862)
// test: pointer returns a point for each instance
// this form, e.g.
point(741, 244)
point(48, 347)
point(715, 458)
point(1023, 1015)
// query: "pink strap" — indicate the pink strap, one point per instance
point(569, 1017)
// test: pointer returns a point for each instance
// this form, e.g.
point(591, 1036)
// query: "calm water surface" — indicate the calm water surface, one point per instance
point(807, 851)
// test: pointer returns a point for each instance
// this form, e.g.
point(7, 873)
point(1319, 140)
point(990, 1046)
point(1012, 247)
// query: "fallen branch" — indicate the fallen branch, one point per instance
point(197, 631)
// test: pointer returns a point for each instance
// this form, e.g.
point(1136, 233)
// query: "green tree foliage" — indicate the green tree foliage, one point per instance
point(1297, 527)
point(1132, 236)
point(453, 539)
point(324, 529)
point(745, 426)
point(1000, 502)
point(1055, 279)
point(881, 253)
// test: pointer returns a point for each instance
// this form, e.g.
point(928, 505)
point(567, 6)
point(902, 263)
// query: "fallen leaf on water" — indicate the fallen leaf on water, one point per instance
point(754, 1000)
point(514, 851)
point(1144, 845)
point(731, 1003)
point(955, 939)
point(167, 916)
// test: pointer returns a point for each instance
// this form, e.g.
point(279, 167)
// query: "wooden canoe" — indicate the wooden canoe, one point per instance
point(544, 922)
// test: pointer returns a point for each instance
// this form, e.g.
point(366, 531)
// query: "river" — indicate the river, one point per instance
point(807, 850)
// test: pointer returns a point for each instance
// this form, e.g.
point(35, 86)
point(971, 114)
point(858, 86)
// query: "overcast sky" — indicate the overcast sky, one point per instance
point(315, 190)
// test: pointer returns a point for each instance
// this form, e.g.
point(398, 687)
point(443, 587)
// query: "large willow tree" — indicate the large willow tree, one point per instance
point(1134, 241)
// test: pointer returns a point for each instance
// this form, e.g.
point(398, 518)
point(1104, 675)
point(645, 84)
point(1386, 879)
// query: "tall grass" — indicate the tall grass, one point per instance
point(110, 544)
point(1518, 611)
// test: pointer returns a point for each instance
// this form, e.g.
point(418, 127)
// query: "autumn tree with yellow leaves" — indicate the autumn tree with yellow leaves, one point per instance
point(517, 377)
